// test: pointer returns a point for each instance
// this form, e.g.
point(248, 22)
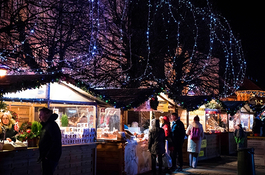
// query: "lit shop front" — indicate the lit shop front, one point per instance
point(219, 121)
point(77, 120)
point(122, 133)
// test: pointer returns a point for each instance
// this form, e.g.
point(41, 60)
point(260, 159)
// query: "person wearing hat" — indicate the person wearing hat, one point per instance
point(164, 120)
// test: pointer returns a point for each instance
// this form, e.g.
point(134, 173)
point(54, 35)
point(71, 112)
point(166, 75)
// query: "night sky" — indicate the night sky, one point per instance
point(247, 19)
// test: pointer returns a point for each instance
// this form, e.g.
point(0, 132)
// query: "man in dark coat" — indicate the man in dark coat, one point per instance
point(257, 124)
point(178, 135)
point(50, 145)
point(156, 144)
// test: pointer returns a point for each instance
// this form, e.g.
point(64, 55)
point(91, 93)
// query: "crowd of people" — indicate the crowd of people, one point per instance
point(168, 138)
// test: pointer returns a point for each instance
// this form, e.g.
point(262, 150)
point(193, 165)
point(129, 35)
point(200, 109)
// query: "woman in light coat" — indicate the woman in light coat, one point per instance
point(194, 146)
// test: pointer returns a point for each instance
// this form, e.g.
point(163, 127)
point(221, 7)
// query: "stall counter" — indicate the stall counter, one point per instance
point(123, 157)
point(77, 158)
point(137, 157)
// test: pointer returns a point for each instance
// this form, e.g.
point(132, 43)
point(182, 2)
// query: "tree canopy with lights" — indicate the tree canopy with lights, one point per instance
point(183, 46)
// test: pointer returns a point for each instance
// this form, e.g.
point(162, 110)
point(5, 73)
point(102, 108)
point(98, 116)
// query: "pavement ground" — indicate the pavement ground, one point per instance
point(223, 165)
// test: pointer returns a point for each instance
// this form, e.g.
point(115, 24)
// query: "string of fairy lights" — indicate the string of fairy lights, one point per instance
point(201, 25)
point(231, 47)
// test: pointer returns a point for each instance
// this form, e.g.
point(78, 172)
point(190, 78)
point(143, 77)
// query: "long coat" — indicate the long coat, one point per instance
point(156, 141)
point(178, 133)
point(50, 145)
point(194, 146)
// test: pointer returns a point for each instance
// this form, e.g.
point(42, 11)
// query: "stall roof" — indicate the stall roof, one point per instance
point(249, 85)
point(13, 83)
point(193, 102)
point(232, 106)
point(125, 98)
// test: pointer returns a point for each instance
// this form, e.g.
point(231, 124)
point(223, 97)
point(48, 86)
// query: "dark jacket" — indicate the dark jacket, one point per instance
point(50, 145)
point(178, 132)
point(156, 142)
point(239, 133)
point(240, 138)
point(263, 128)
point(257, 124)
point(10, 133)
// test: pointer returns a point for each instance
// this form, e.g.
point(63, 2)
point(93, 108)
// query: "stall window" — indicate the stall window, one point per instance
point(108, 123)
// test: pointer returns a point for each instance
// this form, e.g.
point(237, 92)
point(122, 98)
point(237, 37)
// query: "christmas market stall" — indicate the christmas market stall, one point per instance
point(77, 112)
point(252, 109)
point(255, 96)
point(189, 107)
point(122, 137)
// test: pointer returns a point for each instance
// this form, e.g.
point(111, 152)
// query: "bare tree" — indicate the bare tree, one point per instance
point(181, 46)
point(46, 36)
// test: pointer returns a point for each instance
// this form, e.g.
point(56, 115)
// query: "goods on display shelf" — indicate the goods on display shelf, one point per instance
point(73, 116)
point(75, 135)
point(108, 124)
point(77, 124)
point(213, 121)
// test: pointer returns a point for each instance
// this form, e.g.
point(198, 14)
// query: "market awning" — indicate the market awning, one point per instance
point(232, 107)
point(192, 102)
point(249, 85)
point(125, 98)
point(14, 83)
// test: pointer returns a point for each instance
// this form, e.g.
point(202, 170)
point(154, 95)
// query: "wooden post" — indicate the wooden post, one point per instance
point(227, 120)
point(48, 95)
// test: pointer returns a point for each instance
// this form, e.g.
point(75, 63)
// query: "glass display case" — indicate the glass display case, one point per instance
point(215, 121)
point(245, 119)
point(77, 123)
point(108, 124)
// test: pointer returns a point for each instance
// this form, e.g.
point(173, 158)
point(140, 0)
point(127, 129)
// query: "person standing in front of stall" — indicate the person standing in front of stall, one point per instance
point(7, 131)
point(257, 124)
point(178, 135)
point(166, 126)
point(169, 144)
point(50, 145)
point(195, 135)
point(240, 137)
point(156, 145)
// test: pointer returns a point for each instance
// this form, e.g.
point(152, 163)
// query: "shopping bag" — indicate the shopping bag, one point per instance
point(167, 161)
point(166, 146)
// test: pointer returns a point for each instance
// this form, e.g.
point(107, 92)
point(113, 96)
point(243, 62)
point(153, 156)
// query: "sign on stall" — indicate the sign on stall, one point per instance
point(204, 143)
point(162, 106)
point(201, 154)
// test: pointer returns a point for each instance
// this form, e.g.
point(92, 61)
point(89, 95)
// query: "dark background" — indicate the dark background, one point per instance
point(247, 20)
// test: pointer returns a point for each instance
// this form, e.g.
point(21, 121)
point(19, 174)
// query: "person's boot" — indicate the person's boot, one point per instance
point(179, 169)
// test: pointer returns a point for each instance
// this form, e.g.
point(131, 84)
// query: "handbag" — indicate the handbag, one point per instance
point(167, 161)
